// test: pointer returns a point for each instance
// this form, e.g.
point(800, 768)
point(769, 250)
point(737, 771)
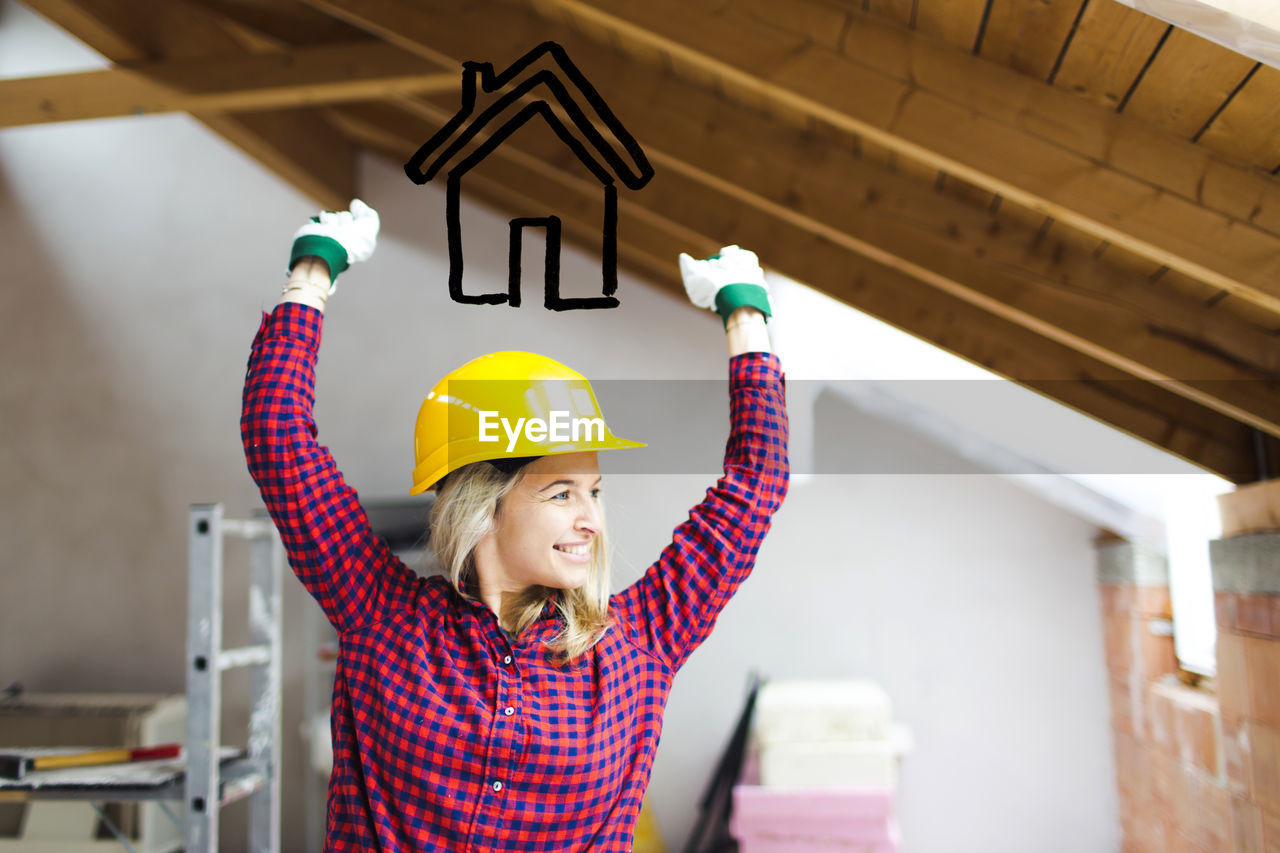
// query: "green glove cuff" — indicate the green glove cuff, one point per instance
point(328, 249)
point(731, 297)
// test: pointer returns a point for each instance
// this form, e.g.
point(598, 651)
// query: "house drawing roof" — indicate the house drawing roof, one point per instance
point(563, 84)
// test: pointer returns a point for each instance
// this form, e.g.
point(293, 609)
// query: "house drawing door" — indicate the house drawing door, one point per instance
point(551, 257)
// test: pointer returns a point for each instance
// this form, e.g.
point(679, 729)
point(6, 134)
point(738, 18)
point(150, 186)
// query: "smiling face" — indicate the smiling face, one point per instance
point(545, 528)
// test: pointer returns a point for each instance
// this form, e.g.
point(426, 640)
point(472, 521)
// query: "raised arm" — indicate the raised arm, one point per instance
point(746, 331)
point(672, 609)
point(326, 533)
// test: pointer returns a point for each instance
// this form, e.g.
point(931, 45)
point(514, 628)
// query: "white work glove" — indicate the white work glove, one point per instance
point(341, 238)
point(726, 282)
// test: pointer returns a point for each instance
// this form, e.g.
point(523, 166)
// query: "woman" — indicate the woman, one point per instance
point(514, 704)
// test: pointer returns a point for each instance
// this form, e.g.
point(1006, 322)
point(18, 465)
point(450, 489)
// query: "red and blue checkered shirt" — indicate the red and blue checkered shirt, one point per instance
point(447, 735)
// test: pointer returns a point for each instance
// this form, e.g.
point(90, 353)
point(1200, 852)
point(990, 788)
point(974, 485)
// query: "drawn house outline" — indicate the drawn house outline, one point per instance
point(621, 159)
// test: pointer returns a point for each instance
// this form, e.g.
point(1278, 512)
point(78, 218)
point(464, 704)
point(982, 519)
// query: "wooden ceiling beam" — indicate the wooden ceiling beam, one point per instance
point(296, 78)
point(674, 214)
point(818, 180)
point(1104, 313)
point(287, 23)
point(990, 126)
point(1000, 265)
point(302, 148)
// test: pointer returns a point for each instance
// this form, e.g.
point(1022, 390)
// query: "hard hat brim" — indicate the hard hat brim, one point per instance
point(438, 468)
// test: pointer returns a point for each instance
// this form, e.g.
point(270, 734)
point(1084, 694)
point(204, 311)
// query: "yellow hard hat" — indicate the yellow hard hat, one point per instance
point(506, 405)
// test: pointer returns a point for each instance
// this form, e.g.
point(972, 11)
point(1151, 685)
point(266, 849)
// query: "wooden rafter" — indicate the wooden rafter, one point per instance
point(303, 150)
point(293, 78)
point(529, 173)
point(1101, 312)
point(751, 132)
point(988, 125)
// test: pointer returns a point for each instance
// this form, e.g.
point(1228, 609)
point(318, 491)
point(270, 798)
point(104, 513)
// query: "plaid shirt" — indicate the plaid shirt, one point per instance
point(446, 734)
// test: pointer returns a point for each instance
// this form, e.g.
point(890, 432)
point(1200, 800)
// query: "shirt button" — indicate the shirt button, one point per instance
point(509, 711)
point(507, 659)
point(497, 786)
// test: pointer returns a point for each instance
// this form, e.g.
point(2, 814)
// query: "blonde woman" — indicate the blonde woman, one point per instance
point(512, 703)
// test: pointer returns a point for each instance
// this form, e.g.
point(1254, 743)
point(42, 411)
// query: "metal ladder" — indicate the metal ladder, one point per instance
point(212, 783)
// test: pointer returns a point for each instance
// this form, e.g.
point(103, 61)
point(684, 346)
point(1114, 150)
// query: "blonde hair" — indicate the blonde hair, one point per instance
point(466, 505)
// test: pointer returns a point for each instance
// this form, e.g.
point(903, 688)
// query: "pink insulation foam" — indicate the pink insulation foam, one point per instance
point(796, 820)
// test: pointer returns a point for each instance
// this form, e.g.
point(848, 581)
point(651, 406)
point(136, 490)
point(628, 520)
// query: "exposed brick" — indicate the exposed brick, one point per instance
point(1270, 831)
point(1253, 614)
point(1184, 795)
point(1246, 826)
point(1152, 601)
point(1165, 778)
point(1132, 773)
point(1264, 766)
point(1160, 720)
point(1158, 655)
point(1154, 833)
point(1262, 669)
point(1180, 842)
point(1204, 810)
point(1122, 707)
point(1213, 815)
point(1130, 834)
point(1233, 678)
point(1197, 738)
point(1224, 610)
point(1118, 631)
point(1116, 597)
point(1235, 749)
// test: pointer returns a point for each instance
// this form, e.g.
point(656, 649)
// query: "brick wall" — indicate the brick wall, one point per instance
point(1183, 758)
point(1246, 580)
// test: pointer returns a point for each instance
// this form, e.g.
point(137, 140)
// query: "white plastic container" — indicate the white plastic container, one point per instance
point(853, 764)
point(815, 711)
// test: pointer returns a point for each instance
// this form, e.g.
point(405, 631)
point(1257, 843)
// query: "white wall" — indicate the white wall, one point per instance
point(137, 254)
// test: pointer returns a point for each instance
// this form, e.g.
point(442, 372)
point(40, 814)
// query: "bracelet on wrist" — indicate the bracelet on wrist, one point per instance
point(320, 291)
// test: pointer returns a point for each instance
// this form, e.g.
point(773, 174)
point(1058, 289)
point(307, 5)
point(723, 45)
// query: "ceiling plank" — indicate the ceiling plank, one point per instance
point(1134, 148)
point(304, 150)
point(1110, 46)
point(1029, 36)
point(901, 12)
point(299, 77)
point(650, 239)
point(954, 135)
point(1250, 28)
point(954, 21)
point(1246, 128)
point(288, 23)
point(1186, 83)
point(824, 23)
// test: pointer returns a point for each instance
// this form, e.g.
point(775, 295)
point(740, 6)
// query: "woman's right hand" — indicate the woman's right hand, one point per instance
point(324, 247)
